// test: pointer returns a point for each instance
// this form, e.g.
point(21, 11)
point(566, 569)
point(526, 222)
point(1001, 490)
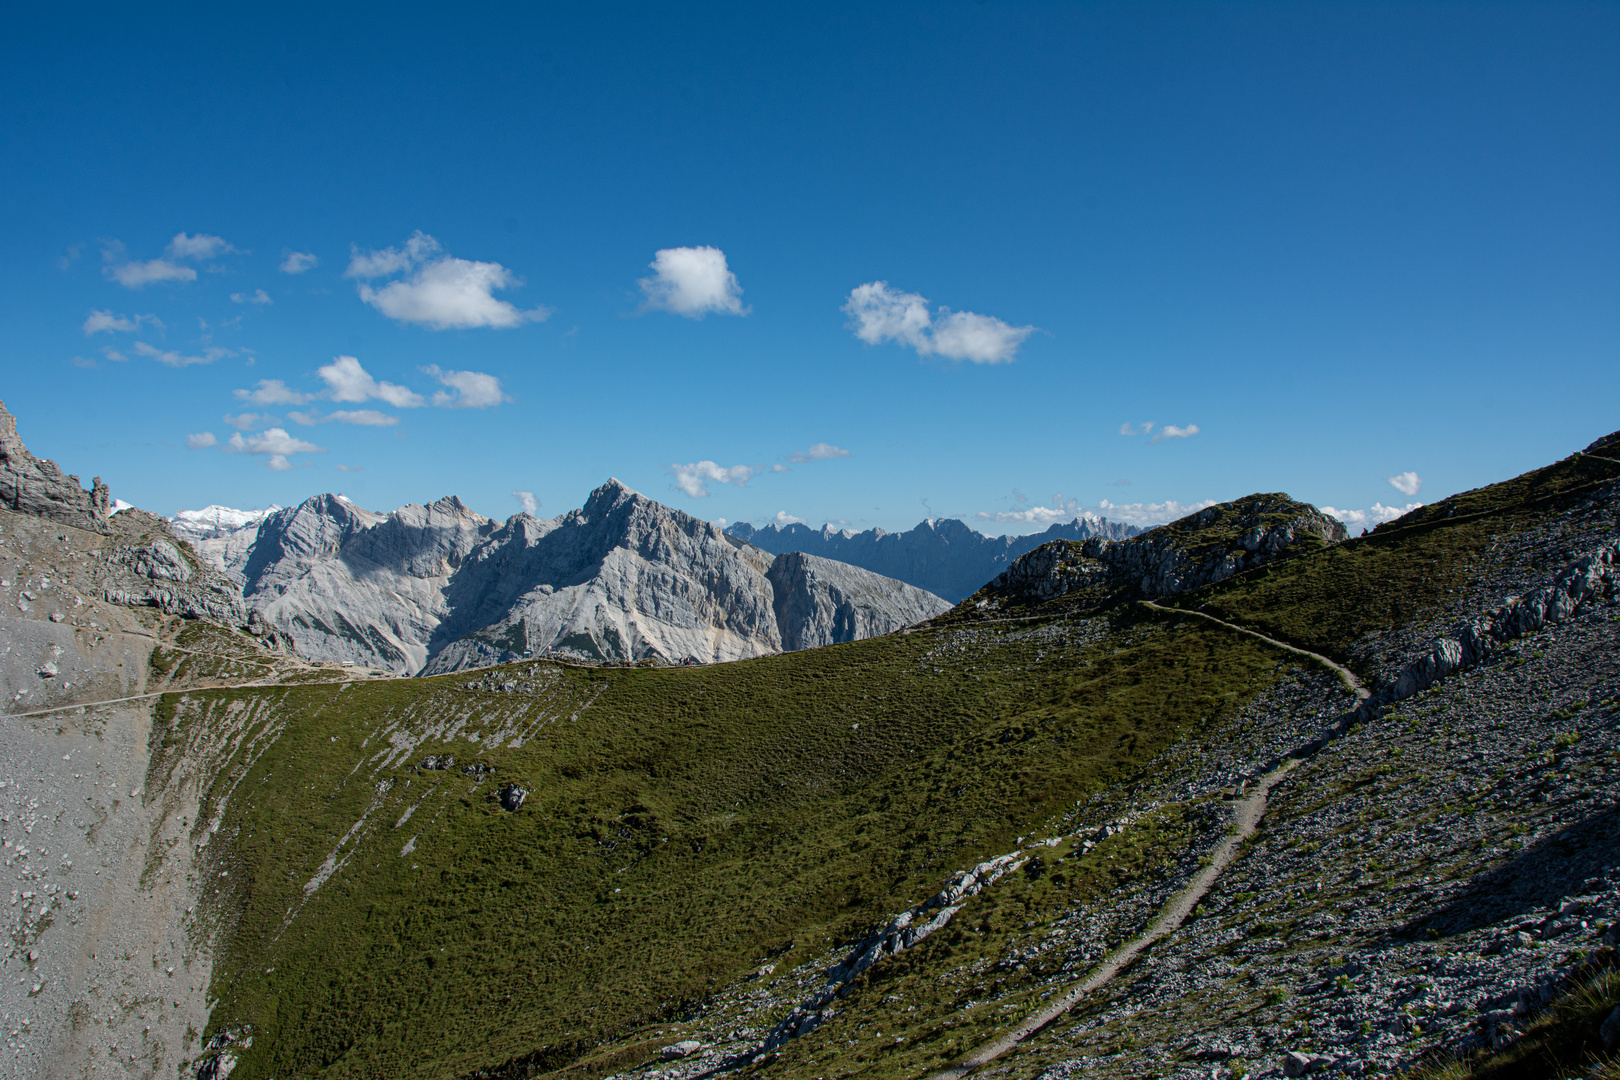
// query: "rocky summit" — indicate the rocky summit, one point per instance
point(1237, 797)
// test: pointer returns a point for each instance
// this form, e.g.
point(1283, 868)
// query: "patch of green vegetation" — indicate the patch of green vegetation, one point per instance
point(685, 825)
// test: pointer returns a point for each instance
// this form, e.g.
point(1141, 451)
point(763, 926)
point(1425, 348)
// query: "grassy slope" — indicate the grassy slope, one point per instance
point(694, 822)
point(691, 823)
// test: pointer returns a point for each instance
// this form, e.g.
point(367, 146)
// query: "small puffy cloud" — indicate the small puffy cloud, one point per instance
point(692, 281)
point(249, 421)
point(783, 519)
point(878, 313)
point(362, 417)
point(274, 444)
point(174, 358)
point(297, 262)
point(257, 296)
point(137, 275)
point(1170, 431)
point(1376, 516)
point(82, 361)
point(1147, 514)
point(440, 292)
point(351, 468)
point(1061, 510)
point(526, 499)
point(113, 354)
point(105, 322)
point(201, 440)
point(695, 478)
point(819, 452)
point(347, 381)
point(273, 392)
point(1407, 483)
point(468, 389)
point(201, 246)
point(1136, 429)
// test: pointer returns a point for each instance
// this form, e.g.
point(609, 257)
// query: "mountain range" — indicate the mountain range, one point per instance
point(1240, 796)
point(945, 556)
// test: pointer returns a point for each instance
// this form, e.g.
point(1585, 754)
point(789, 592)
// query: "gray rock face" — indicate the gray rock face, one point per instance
point(945, 557)
point(822, 602)
point(440, 588)
point(31, 485)
point(1197, 550)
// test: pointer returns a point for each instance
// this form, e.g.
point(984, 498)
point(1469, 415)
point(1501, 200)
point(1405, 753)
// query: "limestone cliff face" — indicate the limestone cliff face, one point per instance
point(1197, 550)
point(440, 588)
point(35, 486)
point(822, 602)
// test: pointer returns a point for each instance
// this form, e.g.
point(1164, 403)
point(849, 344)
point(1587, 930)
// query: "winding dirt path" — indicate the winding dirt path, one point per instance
point(1246, 815)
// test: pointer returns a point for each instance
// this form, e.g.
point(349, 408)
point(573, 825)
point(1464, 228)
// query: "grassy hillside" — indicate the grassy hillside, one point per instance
point(688, 826)
point(684, 827)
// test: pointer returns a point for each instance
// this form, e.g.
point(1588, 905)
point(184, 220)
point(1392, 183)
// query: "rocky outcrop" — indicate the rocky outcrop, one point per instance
point(36, 486)
point(942, 556)
point(1197, 550)
point(822, 602)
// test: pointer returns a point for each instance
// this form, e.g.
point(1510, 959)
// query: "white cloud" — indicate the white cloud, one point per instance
point(784, 519)
point(275, 444)
point(249, 421)
point(297, 262)
point(257, 296)
point(692, 281)
point(1129, 429)
point(695, 478)
point(174, 358)
point(136, 275)
point(1147, 513)
point(351, 468)
point(346, 380)
point(113, 354)
point(443, 292)
point(471, 389)
point(98, 322)
point(879, 313)
point(273, 392)
point(1407, 483)
point(83, 362)
point(1170, 431)
point(819, 452)
point(526, 499)
point(1061, 510)
point(201, 246)
point(363, 417)
point(201, 440)
point(1376, 516)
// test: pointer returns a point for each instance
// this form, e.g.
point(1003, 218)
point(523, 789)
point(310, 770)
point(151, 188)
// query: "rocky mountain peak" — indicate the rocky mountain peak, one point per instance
point(31, 485)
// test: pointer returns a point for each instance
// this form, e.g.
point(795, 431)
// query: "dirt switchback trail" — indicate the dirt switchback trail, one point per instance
point(1246, 815)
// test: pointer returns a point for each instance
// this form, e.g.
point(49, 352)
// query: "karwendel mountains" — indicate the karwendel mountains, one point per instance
point(330, 793)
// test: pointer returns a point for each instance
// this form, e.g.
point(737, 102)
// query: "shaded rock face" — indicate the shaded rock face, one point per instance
point(945, 557)
point(1195, 551)
point(31, 485)
point(351, 586)
point(822, 602)
point(439, 588)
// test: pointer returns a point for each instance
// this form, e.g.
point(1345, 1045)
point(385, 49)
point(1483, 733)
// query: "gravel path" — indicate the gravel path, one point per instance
point(1246, 816)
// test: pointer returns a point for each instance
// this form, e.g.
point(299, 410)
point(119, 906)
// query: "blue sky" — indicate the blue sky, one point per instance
point(917, 260)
